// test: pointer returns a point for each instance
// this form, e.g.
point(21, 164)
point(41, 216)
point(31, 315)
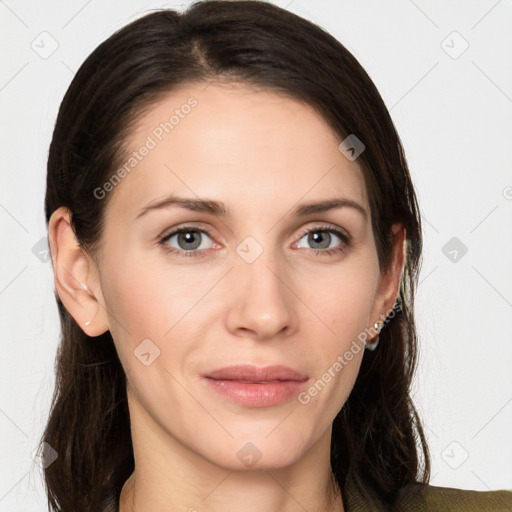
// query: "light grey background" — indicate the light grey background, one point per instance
point(453, 110)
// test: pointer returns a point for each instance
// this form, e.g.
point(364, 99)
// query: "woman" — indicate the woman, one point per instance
point(213, 356)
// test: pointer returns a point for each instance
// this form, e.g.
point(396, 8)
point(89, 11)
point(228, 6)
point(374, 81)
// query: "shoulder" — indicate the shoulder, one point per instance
point(432, 498)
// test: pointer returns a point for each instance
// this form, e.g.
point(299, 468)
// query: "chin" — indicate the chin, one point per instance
point(258, 453)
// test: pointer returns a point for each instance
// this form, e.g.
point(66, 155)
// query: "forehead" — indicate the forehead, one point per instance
point(252, 148)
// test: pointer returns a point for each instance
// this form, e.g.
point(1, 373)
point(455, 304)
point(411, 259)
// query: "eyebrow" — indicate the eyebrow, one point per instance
point(219, 209)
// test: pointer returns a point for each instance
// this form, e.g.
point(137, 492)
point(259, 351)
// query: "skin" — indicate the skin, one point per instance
point(262, 154)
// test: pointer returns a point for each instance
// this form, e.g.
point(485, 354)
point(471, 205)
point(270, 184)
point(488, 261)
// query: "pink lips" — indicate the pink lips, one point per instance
point(256, 387)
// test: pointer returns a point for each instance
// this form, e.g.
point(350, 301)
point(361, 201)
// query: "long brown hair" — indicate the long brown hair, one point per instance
point(377, 438)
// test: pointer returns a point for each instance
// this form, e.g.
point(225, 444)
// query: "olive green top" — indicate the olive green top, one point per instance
point(418, 497)
point(415, 497)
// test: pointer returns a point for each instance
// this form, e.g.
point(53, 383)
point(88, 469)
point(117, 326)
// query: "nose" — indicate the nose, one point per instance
point(262, 304)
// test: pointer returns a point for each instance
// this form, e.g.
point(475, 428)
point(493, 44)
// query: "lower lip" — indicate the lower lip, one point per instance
point(257, 395)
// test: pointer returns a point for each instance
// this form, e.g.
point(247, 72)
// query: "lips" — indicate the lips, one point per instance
point(252, 374)
point(250, 386)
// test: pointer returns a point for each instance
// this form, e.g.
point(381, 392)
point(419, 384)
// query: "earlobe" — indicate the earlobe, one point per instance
point(75, 275)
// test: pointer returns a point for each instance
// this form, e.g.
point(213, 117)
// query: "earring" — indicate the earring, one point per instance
point(373, 345)
point(89, 322)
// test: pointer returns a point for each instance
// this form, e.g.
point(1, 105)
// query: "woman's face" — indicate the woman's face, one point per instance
point(260, 284)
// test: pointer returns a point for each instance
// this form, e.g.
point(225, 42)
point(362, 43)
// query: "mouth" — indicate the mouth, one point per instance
point(251, 386)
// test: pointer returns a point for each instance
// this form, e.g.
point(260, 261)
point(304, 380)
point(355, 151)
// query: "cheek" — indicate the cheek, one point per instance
point(148, 299)
point(161, 303)
point(344, 299)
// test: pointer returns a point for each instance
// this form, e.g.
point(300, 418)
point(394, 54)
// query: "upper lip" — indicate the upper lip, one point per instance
point(251, 373)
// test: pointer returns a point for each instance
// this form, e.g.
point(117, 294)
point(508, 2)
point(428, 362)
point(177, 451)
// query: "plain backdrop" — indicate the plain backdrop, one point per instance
point(444, 71)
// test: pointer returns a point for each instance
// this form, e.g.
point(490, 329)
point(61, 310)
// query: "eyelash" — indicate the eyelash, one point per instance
point(344, 238)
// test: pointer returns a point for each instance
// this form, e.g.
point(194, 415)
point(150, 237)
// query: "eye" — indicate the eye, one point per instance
point(322, 237)
point(189, 240)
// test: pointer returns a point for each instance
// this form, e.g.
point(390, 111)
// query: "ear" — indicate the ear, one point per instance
point(76, 275)
point(389, 283)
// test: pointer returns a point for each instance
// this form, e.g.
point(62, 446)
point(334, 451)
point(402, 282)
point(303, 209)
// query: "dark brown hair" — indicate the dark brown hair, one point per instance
point(377, 438)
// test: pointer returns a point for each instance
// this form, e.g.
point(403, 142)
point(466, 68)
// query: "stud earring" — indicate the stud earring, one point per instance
point(88, 322)
point(375, 343)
